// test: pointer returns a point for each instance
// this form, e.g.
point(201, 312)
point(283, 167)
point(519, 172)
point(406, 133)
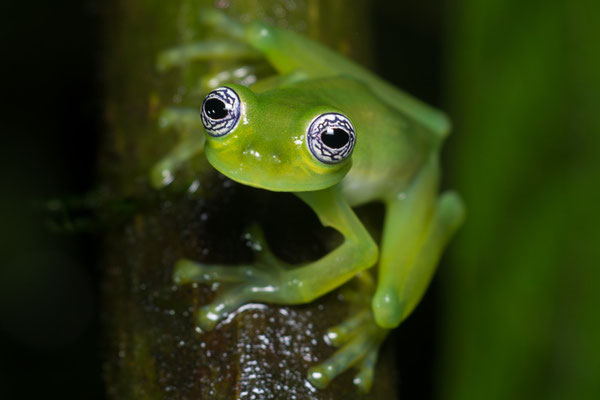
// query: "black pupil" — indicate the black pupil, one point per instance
point(336, 139)
point(215, 109)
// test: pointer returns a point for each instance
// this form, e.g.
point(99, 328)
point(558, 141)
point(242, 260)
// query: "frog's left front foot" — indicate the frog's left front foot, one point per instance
point(359, 338)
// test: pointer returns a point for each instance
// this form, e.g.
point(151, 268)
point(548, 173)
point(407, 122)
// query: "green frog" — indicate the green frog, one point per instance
point(337, 136)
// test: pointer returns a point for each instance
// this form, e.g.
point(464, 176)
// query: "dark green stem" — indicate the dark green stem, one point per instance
point(153, 350)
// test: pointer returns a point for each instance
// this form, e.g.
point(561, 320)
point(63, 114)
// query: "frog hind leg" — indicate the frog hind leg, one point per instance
point(206, 50)
point(234, 47)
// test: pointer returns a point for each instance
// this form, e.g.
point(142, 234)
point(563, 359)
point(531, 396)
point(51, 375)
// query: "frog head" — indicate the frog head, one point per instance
point(279, 140)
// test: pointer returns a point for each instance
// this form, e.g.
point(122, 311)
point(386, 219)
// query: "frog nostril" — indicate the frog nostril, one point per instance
point(252, 153)
point(275, 158)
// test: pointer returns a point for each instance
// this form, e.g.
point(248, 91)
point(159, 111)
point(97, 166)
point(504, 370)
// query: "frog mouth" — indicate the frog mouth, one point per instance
point(284, 179)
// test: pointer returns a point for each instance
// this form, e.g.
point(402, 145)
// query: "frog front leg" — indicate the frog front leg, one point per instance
point(188, 125)
point(278, 284)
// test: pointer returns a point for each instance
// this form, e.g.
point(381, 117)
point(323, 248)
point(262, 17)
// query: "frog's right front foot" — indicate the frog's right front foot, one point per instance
point(262, 281)
point(248, 281)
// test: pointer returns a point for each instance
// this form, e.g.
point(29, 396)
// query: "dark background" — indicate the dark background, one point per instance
point(51, 113)
point(513, 312)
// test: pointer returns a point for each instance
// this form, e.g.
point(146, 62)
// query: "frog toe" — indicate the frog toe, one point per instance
point(360, 339)
point(342, 333)
point(364, 378)
point(320, 375)
point(207, 50)
point(221, 308)
point(244, 74)
point(187, 271)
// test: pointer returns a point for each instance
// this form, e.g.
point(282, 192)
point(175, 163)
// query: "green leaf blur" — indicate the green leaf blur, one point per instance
point(521, 295)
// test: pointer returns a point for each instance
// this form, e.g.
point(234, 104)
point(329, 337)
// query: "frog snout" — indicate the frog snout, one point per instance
point(264, 156)
point(276, 158)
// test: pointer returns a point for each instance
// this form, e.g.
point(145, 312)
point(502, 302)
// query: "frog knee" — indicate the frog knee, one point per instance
point(387, 308)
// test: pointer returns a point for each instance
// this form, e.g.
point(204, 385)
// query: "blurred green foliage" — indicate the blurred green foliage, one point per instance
point(522, 295)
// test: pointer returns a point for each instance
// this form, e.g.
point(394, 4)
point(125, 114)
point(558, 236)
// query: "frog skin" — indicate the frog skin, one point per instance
point(336, 136)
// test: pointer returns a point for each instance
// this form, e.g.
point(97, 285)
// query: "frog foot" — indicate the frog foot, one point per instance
point(359, 339)
point(261, 281)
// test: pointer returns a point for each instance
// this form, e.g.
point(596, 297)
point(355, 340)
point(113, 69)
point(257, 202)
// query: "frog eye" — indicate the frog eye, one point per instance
point(330, 138)
point(220, 111)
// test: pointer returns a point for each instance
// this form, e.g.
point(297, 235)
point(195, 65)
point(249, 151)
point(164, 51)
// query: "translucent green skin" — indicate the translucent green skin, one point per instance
point(268, 149)
point(395, 161)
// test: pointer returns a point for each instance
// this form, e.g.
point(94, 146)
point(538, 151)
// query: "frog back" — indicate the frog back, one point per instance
point(288, 51)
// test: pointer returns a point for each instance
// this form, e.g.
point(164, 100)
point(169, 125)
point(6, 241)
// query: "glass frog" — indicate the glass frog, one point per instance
point(337, 136)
